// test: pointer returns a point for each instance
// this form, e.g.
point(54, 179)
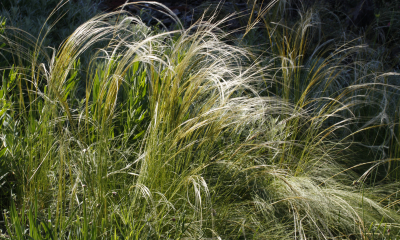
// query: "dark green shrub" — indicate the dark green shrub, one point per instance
point(32, 16)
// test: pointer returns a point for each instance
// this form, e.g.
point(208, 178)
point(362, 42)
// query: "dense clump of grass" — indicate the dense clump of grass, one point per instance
point(179, 135)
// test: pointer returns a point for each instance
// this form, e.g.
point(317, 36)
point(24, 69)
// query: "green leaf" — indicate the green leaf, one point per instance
point(139, 135)
point(3, 151)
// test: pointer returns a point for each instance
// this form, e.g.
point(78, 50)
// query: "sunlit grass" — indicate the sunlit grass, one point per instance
point(159, 134)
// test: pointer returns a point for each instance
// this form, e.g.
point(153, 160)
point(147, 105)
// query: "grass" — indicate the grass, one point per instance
point(129, 132)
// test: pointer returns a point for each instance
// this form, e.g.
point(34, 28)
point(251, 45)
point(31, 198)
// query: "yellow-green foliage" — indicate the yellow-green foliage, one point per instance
point(179, 135)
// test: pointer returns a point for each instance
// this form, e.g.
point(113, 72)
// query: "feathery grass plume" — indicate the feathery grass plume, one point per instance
point(327, 89)
point(170, 138)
